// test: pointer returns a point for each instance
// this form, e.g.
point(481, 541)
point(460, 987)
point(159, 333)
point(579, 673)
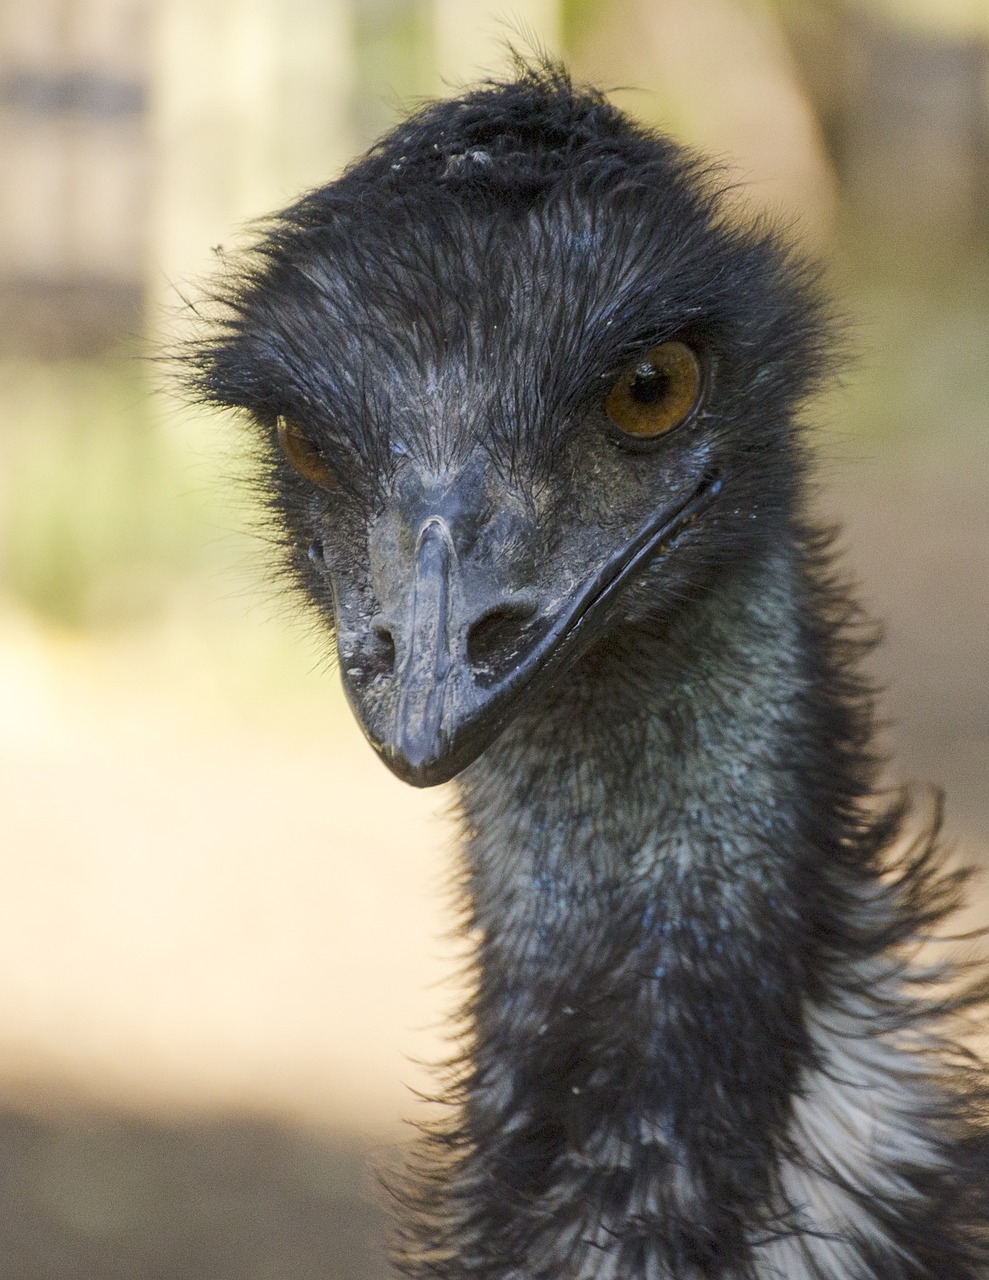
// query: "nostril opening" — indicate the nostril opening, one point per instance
point(498, 639)
point(384, 648)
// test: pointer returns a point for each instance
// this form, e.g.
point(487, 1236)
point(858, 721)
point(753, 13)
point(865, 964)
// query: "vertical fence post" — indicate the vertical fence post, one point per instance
point(250, 104)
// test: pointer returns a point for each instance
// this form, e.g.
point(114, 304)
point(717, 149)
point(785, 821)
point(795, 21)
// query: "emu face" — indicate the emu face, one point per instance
point(514, 396)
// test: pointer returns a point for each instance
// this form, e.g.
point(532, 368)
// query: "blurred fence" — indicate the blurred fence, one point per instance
point(137, 134)
point(74, 203)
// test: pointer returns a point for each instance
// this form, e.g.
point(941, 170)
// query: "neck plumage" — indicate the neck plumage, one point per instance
point(674, 890)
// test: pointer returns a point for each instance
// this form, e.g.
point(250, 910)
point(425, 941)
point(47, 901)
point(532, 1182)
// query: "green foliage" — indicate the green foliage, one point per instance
point(393, 51)
point(921, 326)
point(577, 18)
point(99, 513)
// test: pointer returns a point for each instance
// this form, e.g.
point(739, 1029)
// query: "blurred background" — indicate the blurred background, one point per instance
point(223, 926)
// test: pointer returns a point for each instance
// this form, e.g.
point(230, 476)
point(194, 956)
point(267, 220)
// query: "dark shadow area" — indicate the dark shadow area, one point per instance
point(90, 1195)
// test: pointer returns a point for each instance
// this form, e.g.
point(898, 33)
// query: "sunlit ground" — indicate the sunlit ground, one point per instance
point(222, 923)
point(213, 894)
point(220, 944)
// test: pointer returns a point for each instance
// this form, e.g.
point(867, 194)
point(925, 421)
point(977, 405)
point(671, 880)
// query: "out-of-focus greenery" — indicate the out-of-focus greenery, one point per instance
point(393, 47)
point(101, 510)
point(919, 331)
point(578, 16)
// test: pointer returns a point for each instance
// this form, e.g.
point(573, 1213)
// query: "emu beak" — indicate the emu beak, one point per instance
point(470, 651)
point(432, 674)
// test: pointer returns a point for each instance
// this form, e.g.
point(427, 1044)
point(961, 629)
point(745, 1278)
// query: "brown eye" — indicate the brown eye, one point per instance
point(655, 394)
point(304, 456)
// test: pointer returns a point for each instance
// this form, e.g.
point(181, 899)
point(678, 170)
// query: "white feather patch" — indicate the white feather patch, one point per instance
point(858, 1119)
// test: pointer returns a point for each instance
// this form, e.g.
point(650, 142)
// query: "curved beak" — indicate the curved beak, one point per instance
point(470, 653)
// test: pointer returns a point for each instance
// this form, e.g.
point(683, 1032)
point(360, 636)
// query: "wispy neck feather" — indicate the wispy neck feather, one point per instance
point(661, 754)
point(693, 1044)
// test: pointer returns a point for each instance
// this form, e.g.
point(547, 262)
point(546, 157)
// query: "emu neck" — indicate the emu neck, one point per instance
point(647, 874)
point(667, 765)
point(679, 920)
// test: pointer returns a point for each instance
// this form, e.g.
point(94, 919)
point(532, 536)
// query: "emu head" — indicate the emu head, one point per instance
point(520, 387)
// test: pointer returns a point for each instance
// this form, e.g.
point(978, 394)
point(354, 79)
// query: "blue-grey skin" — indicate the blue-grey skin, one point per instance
point(696, 1046)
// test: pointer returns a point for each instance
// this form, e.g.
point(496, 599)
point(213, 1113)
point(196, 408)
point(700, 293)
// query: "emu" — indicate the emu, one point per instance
point(527, 398)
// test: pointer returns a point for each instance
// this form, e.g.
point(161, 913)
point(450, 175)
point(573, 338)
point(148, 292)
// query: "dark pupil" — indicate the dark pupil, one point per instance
point(650, 384)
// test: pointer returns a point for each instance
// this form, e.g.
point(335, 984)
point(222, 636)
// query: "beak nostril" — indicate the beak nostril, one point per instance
point(497, 640)
point(384, 649)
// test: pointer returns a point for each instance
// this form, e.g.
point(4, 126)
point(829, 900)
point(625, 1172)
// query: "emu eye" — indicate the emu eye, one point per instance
point(304, 456)
point(656, 393)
